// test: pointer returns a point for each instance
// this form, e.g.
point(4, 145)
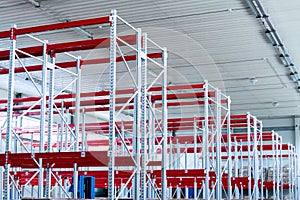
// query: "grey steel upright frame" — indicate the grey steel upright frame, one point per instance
point(50, 122)
point(43, 97)
point(137, 119)
point(218, 147)
point(205, 141)
point(143, 115)
point(165, 127)
point(212, 135)
point(249, 157)
point(43, 115)
point(261, 160)
point(10, 96)
point(112, 102)
point(255, 160)
point(229, 143)
point(141, 88)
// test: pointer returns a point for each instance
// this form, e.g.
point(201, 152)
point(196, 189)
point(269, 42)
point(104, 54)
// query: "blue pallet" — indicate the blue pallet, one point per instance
point(85, 191)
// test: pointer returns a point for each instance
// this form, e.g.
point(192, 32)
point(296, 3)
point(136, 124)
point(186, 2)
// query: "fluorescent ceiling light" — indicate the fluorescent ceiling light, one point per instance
point(271, 37)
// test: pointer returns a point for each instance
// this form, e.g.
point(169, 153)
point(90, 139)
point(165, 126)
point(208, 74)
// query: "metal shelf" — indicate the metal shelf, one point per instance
point(216, 154)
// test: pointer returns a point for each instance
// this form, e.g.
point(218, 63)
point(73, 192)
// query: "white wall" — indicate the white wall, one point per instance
point(283, 127)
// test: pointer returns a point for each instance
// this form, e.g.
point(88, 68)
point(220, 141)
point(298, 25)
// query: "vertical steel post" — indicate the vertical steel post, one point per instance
point(281, 168)
point(296, 172)
point(218, 147)
point(123, 147)
point(185, 158)
point(1, 183)
point(77, 103)
point(164, 163)
point(229, 143)
point(242, 160)
point(295, 188)
point(255, 160)
point(195, 143)
point(10, 96)
point(60, 191)
point(43, 97)
point(65, 186)
point(206, 141)
point(50, 122)
point(203, 153)
point(41, 179)
point(295, 176)
point(242, 191)
point(83, 133)
point(63, 139)
point(186, 192)
point(137, 117)
point(50, 103)
point(13, 189)
point(291, 177)
point(195, 190)
point(48, 182)
point(170, 192)
point(249, 156)
point(112, 104)
point(150, 130)
point(261, 160)
point(171, 165)
point(143, 52)
point(1, 143)
point(178, 192)
point(290, 170)
point(274, 162)
point(236, 167)
point(277, 167)
point(178, 154)
point(15, 141)
point(75, 181)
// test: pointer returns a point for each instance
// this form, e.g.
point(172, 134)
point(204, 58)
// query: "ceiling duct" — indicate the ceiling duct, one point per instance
point(275, 40)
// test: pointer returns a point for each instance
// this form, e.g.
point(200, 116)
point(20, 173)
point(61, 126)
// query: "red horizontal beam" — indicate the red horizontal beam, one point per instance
point(64, 159)
point(68, 46)
point(56, 26)
point(93, 102)
point(83, 62)
point(181, 178)
point(182, 139)
point(182, 96)
point(244, 148)
point(96, 94)
point(264, 156)
point(181, 87)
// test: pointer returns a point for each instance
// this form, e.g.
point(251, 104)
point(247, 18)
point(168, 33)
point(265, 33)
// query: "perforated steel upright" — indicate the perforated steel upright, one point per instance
point(229, 143)
point(10, 96)
point(164, 163)
point(206, 142)
point(112, 102)
point(218, 146)
point(144, 138)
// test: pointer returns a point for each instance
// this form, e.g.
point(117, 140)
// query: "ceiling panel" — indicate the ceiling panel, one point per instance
point(217, 40)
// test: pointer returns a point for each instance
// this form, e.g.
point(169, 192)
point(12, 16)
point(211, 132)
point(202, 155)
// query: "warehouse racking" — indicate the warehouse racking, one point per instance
point(211, 155)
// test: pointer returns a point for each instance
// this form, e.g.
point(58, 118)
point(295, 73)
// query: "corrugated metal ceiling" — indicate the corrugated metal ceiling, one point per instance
point(218, 40)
